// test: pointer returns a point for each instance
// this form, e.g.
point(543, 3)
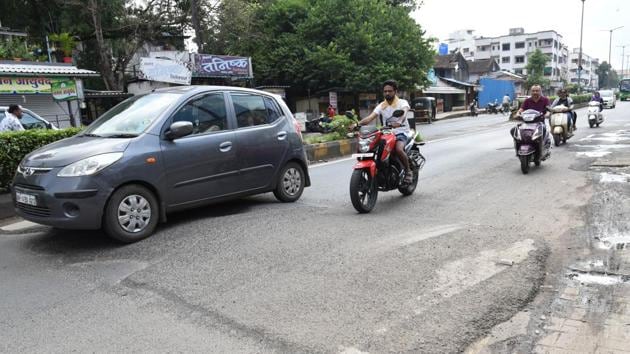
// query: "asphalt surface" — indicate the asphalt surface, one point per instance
point(432, 272)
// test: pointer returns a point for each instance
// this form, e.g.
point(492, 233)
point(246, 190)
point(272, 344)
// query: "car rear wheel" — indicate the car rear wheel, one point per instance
point(131, 214)
point(290, 184)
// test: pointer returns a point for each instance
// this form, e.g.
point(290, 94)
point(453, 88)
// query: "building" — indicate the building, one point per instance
point(511, 52)
point(451, 66)
point(588, 77)
point(462, 41)
point(482, 67)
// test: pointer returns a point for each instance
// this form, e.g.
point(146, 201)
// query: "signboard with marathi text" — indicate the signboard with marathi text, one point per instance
point(165, 70)
point(27, 85)
point(207, 65)
point(64, 90)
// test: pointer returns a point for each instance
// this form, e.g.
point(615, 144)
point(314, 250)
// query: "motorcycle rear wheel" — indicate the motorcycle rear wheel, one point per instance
point(556, 139)
point(363, 191)
point(524, 164)
point(408, 189)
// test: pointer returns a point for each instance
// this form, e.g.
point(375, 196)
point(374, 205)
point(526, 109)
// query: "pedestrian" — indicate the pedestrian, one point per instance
point(11, 121)
point(331, 111)
point(506, 103)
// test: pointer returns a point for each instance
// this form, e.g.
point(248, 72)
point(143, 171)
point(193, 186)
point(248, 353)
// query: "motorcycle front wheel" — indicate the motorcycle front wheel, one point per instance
point(524, 164)
point(363, 191)
point(556, 139)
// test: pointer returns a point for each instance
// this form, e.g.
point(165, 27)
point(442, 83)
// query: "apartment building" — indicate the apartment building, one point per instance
point(588, 76)
point(511, 52)
point(464, 42)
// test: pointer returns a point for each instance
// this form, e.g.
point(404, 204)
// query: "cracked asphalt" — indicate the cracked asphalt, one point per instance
point(427, 273)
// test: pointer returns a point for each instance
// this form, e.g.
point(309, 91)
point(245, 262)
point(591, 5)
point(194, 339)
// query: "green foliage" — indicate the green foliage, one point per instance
point(15, 145)
point(340, 124)
point(65, 42)
point(324, 138)
point(317, 45)
point(536, 63)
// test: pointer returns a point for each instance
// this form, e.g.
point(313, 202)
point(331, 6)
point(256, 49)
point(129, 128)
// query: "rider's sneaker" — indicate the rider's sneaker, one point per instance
point(409, 176)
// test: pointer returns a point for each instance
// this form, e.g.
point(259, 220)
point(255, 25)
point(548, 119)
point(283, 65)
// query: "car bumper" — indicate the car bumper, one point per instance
point(608, 104)
point(69, 203)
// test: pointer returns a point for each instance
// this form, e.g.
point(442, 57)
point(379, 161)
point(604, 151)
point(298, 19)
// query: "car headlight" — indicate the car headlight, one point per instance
point(90, 166)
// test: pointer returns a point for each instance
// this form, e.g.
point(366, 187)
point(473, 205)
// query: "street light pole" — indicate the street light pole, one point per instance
point(580, 55)
point(623, 52)
point(610, 43)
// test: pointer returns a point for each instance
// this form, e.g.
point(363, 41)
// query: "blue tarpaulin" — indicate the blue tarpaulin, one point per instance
point(493, 89)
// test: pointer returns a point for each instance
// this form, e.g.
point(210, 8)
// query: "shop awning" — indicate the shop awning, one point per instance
point(44, 69)
point(444, 90)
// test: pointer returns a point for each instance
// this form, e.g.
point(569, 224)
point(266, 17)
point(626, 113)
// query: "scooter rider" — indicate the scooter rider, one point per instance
point(597, 98)
point(536, 102)
point(401, 127)
point(566, 101)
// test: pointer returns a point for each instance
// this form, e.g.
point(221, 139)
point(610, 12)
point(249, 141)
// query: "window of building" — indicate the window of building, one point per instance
point(555, 58)
point(519, 45)
point(519, 59)
point(518, 71)
point(505, 46)
point(505, 60)
point(466, 50)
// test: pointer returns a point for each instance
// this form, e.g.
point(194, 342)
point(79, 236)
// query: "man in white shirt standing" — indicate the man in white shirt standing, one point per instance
point(401, 127)
point(11, 121)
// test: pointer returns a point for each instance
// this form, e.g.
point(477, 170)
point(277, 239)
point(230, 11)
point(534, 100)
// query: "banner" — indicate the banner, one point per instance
point(27, 85)
point(220, 66)
point(64, 90)
point(164, 70)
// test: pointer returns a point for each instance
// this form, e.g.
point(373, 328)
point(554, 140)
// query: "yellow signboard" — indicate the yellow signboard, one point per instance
point(27, 85)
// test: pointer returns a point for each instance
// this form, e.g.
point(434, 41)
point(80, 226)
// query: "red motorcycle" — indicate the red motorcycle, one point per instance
point(379, 169)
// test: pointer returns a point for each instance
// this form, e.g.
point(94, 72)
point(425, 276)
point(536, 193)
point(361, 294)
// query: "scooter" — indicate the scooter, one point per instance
point(595, 116)
point(492, 108)
point(379, 169)
point(559, 122)
point(531, 141)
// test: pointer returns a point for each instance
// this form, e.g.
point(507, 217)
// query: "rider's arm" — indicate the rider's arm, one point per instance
point(368, 119)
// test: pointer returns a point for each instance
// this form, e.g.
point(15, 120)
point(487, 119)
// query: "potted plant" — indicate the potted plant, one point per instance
point(17, 50)
point(64, 43)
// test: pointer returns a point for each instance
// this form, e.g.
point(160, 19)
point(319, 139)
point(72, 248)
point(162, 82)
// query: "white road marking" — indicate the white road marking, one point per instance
point(412, 236)
point(606, 177)
point(19, 226)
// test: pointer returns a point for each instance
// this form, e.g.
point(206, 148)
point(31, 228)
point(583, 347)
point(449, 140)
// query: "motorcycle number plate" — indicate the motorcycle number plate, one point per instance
point(359, 156)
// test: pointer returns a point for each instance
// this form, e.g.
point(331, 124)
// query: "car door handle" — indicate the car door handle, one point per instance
point(226, 146)
point(282, 135)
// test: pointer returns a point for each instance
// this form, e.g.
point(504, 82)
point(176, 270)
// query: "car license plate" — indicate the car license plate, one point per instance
point(25, 198)
point(367, 154)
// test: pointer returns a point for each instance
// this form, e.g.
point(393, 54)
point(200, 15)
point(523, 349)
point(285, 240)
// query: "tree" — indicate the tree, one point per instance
point(536, 63)
point(607, 76)
point(316, 45)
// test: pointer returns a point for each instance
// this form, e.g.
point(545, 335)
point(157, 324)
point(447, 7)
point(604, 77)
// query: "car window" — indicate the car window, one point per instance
point(273, 111)
point(606, 93)
point(250, 109)
point(30, 122)
point(207, 114)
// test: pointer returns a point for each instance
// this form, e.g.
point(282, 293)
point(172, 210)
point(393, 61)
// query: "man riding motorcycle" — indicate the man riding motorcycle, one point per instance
point(536, 102)
point(566, 101)
point(386, 110)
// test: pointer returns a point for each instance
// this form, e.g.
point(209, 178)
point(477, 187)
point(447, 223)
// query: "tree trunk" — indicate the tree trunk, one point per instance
point(196, 23)
point(104, 51)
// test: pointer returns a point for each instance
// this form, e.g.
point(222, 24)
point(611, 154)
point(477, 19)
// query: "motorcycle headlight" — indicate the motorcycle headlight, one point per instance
point(537, 134)
point(364, 144)
point(90, 166)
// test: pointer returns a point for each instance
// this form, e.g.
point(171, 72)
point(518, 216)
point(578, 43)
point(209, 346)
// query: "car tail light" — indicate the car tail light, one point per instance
point(298, 128)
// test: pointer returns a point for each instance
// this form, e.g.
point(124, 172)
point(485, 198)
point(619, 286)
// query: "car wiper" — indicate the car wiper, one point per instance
point(121, 135)
point(91, 135)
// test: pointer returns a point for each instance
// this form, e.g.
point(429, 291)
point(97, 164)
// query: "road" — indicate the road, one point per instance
point(432, 272)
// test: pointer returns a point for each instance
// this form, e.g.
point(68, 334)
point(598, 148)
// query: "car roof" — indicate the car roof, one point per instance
point(194, 89)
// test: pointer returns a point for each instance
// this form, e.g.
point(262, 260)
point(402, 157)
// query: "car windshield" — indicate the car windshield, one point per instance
point(131, 117)
point(606, 93)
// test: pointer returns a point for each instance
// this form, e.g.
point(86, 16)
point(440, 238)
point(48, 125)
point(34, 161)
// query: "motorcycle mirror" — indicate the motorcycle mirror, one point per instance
point(349, 114)
point(398, 113)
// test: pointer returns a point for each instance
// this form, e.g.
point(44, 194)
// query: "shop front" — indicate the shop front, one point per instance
point(53, 91)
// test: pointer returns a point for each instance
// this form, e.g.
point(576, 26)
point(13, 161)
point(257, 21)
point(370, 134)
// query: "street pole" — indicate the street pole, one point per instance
point(580, 55)
point(610, 43)
point(623, 52)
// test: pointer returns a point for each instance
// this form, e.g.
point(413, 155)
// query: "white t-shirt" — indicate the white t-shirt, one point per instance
point(10, 123)
point(386, 110)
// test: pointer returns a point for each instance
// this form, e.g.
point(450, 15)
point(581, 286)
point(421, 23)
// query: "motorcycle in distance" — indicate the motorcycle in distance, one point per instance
point(529, 142)
point(314, 125)
point(492, 108)
point(559, 122)
point(378, 168)
point(595, 116)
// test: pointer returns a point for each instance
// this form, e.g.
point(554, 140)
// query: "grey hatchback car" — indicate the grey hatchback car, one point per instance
point(168, 150)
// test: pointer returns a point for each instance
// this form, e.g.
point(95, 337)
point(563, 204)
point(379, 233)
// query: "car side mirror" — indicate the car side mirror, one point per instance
point(398, 113)
point(179, 130)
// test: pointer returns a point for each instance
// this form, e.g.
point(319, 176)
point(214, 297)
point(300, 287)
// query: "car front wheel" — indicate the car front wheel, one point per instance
point(290, 184)
point(131, 214)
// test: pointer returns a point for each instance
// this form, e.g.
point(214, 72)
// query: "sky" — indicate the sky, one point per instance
point(492, 18)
